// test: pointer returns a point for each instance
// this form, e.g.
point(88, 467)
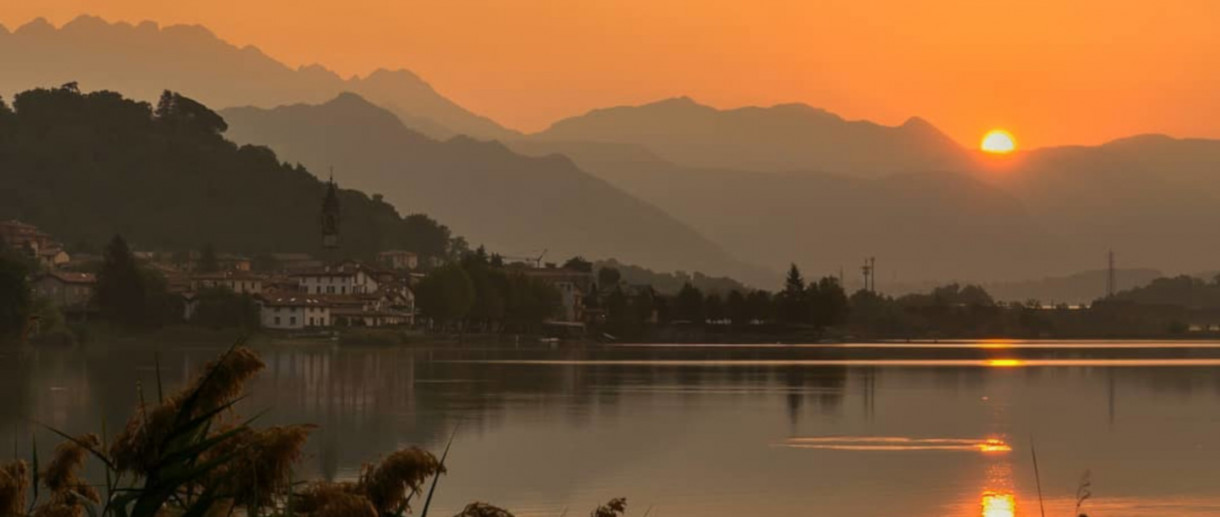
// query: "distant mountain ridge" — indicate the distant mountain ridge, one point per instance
point(513, 203)
point(142, 60)
point(780, 138)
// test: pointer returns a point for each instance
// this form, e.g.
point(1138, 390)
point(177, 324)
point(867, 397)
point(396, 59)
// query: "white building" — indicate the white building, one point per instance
point(290, 311)
point(342, 279)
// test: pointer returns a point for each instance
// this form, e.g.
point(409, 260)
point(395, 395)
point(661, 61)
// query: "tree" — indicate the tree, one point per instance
point(713, 307)
point(793, 302)
point(608, 277)
point(737, 309)
point(760, 305)
point(185, 115)
point(222, 308)
point(530, 302)
point(578, 263)
point(208, 261)
point(688, 305)
point(14, 295)
point(446, 295)
point(827, 303)
point(121, 293)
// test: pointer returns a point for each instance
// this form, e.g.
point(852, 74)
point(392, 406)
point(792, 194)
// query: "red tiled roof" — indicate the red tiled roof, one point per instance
point(69, 277)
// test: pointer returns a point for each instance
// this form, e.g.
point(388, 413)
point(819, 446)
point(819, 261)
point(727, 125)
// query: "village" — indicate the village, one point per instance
point(292, 291)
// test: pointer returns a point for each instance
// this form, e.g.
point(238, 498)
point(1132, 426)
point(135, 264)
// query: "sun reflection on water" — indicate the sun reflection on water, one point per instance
point(1005, 363)
point(898, 444)
point(999, 505)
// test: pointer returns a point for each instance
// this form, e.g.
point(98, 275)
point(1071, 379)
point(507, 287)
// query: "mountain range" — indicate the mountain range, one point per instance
point(511, 203)
point(783, 138)
point(142, 60)
point(704, 186)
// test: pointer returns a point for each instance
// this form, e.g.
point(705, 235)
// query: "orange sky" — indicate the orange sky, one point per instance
point(1052, 71)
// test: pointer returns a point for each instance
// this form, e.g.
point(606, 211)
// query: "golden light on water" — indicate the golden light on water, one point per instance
point(1005, 363)
point(898, 444)
point(998, 141)
point(994, 445)
point(999, 505)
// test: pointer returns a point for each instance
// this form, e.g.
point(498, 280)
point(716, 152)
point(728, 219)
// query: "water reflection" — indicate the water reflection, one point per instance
point(898, 444)
point(695, 430)
point(999, 505)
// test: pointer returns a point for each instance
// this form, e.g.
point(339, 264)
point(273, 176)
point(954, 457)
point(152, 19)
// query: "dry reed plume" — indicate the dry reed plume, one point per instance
point(259, 463)
point(68, 492)
point(391, 484)
point(13, 486)
point(137, 447)
point(614, 508)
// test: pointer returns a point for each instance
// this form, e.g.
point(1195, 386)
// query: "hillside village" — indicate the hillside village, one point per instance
point(292, 291)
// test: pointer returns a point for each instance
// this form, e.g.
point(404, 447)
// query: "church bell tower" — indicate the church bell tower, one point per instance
point(330, 216)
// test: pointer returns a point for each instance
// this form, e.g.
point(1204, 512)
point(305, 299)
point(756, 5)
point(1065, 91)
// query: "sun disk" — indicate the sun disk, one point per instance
point(998, 141)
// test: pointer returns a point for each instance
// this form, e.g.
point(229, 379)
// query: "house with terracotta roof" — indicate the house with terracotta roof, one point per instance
point(27, 238)
point(65, 289)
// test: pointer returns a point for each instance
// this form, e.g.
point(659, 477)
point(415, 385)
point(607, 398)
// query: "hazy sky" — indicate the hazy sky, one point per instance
point(1051, 71)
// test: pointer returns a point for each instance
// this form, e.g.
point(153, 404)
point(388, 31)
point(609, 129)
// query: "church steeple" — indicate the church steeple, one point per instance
point(330, 215)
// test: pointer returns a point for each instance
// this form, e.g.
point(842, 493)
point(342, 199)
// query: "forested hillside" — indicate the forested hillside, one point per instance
point(87, 166)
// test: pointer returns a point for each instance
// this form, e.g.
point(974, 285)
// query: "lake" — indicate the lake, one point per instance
point(923, 429)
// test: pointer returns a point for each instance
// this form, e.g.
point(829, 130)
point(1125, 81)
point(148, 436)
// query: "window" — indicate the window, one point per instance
point(343, 289)
point(292, 321)
point(277, 321)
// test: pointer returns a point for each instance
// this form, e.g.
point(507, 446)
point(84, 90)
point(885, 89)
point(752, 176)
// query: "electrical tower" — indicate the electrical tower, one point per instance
point(870, 274)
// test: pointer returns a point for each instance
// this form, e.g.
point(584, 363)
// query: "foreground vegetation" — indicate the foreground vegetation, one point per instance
point(189, 454)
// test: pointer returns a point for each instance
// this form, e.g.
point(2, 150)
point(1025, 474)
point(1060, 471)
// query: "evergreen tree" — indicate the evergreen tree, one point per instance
point(794, 304)
point(121, 292)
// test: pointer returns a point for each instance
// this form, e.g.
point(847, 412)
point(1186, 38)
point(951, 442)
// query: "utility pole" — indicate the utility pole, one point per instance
point(870, 274)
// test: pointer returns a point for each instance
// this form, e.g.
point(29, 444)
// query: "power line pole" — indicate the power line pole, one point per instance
point(872, 273)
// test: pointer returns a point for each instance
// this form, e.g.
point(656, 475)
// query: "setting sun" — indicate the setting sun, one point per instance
point(998, 141)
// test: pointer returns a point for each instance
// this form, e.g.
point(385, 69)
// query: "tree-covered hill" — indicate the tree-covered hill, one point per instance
point(87, 166)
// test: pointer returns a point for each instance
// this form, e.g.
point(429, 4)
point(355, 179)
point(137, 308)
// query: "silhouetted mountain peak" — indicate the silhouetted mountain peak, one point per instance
point(36, 27)
point(143, 60)
point(84, 23)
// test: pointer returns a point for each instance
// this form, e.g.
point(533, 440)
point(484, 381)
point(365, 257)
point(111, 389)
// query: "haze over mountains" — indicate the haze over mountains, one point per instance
point(142, 60)
point(783, 138)
point(690, 186)
point(514, 204)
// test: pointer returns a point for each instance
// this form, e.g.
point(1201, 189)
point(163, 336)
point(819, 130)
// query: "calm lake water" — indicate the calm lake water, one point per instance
point(860, 430)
